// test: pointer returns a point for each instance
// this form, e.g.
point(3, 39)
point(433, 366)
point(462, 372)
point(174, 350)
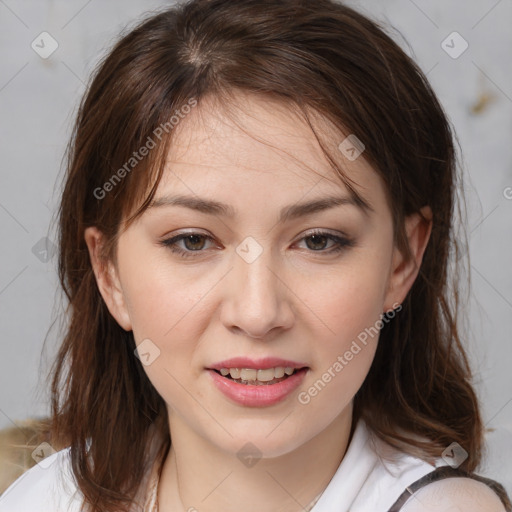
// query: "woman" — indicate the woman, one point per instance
point(256, 228)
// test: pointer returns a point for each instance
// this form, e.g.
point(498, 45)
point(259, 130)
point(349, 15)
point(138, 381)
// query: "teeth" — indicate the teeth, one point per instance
point(249, 374)
point(279, 372)
point(235, 373)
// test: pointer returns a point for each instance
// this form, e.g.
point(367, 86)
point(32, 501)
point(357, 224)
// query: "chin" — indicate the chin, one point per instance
point(260, 440)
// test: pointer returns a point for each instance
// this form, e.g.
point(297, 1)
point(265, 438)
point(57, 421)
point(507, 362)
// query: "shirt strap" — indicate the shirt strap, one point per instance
point(450, 472)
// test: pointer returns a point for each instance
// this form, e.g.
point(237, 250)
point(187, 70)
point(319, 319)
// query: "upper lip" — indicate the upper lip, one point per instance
point(256, 364)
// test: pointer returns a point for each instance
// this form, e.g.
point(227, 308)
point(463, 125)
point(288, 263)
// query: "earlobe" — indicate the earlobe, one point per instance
point(403, 272)
point(107, 279)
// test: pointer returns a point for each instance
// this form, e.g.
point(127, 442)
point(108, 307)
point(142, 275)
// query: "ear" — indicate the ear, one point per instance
point(403, 273)
point(107, 279)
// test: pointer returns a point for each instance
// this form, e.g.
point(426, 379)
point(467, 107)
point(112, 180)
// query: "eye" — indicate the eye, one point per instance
point(316, 241)
point(194, 242)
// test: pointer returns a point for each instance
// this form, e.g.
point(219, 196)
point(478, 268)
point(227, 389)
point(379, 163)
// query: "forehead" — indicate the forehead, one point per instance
point(261, 147)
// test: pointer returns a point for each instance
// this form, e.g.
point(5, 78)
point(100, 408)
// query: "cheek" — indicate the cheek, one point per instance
point(167, 315)
point(346, 304)
point(167, 311)
point(346, 341)
point(162, 302)
point(346, 327)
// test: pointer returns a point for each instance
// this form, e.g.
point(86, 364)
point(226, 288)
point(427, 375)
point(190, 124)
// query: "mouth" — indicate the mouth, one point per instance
point(260, 383)
point(258, 377)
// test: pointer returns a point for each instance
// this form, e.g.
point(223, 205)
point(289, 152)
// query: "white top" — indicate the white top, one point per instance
point(365, 480)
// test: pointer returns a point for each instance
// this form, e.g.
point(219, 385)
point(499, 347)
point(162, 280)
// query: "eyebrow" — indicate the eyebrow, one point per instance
point(287, 213)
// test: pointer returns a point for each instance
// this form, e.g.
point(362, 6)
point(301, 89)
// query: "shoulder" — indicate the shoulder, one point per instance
point(455, 494)
point(373, 474)
point(396, 475)
point(46, 487)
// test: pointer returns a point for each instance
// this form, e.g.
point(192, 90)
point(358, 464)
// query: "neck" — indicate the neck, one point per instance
point(197, 475)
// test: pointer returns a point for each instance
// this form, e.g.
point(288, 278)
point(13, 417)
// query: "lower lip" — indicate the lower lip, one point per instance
point(261, 395)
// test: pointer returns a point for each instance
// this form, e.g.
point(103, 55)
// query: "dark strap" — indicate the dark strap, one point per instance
point(449, 472)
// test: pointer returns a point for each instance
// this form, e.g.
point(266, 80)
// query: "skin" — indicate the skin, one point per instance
point(295, 301)
point(455, 495)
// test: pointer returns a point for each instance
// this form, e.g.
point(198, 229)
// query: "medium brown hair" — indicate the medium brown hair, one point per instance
point(321, 57)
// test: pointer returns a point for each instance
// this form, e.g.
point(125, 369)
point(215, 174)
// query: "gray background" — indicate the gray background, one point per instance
point(38, 98)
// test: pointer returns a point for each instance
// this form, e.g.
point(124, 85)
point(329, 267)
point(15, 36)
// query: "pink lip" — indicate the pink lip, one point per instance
point(257, 395)
point(256, 364)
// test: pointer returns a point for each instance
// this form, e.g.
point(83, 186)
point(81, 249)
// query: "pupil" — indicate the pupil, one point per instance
point(316, 237)
point(194, 239)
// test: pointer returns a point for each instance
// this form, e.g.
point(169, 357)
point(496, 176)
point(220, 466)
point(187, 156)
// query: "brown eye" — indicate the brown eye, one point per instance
point(194, 242)
point(191, 243)
point(318, 242)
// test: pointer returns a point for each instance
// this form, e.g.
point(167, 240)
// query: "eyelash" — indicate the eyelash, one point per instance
point(341, 243)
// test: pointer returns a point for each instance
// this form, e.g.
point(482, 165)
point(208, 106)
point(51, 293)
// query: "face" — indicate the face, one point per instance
point(199, 287)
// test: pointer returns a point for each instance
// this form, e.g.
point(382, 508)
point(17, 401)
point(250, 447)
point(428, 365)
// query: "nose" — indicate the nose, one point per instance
point(257, 298)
